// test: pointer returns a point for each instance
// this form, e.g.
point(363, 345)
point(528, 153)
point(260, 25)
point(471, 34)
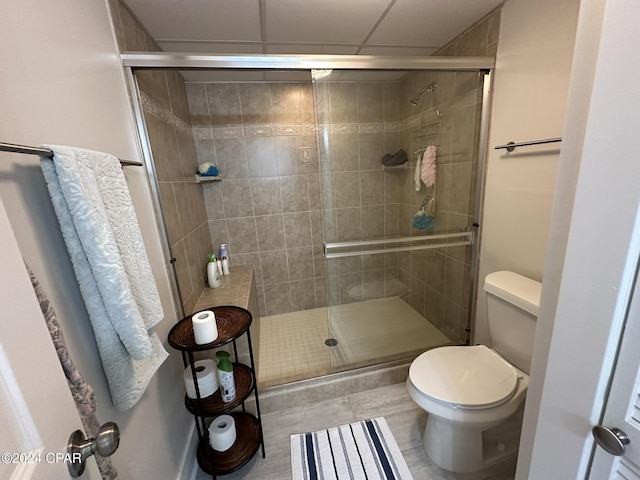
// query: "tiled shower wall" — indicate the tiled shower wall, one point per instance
point(168, 123)
point(268, 208)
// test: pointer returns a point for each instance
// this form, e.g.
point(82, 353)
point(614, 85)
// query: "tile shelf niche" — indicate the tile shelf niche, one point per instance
point(232, 322)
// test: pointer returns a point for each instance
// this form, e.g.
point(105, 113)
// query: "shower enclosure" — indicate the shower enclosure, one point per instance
point(357, 261)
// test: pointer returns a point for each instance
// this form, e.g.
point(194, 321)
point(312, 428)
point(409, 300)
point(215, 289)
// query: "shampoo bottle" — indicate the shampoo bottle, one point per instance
point(225, 374)
point(225, 258)
point(219, 267)
point(225, 266)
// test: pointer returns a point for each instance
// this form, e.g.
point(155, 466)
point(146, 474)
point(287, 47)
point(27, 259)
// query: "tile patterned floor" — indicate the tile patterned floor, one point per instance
point(404, 417)
point(374, 331)
point(292, 347)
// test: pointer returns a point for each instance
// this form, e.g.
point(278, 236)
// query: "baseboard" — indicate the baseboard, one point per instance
point(189, 469)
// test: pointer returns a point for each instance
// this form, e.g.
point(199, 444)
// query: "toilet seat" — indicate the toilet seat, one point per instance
point(464, 377)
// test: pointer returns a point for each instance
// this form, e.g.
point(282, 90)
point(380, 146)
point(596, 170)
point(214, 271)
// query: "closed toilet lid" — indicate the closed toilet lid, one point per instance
point(468, 377)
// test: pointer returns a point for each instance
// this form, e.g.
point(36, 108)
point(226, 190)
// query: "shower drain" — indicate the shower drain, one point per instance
point(331, 342)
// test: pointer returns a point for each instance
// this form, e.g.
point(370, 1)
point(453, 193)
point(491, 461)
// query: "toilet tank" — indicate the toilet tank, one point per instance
point(512, 304)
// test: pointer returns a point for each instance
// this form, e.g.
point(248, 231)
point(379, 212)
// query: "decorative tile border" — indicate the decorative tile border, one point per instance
point(206, 133)
point(279, 131)
point(423, 119)
point(150, 106)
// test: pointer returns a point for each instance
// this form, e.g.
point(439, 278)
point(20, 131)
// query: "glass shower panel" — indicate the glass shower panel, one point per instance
point(388, 297)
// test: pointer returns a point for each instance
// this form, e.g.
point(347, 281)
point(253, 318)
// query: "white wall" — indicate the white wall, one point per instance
point(590, 270)
point(62, 83)
point(529, 101)
point(582, 73)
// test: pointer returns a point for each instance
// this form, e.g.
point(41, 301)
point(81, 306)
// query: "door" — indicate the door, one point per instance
point(396, 247)
point(37, 412)
point(622, 410)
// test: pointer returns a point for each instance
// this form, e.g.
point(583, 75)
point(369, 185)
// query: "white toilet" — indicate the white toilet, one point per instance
point(467, 390)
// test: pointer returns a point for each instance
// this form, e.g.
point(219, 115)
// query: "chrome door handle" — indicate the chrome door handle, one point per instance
point(79, 448)
point(613, 440)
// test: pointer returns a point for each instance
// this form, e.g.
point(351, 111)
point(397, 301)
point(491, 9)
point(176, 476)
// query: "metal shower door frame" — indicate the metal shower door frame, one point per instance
point(200, 61)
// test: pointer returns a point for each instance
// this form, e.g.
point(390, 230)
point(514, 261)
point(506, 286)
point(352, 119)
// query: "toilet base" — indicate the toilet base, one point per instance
point(457, 448)
point(453, 448)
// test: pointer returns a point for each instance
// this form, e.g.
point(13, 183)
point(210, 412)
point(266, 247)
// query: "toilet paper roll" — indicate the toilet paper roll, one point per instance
point(222, 433)
point(205, 328)
point(206, 374)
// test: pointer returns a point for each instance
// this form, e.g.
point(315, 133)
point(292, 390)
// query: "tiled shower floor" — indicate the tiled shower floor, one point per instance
point(292, 345)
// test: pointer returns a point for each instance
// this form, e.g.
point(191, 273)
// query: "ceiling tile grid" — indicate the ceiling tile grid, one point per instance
point(368, 27)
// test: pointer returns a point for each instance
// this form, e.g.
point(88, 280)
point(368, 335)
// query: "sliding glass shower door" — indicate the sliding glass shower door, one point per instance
point(396, 272)
point(398, 224)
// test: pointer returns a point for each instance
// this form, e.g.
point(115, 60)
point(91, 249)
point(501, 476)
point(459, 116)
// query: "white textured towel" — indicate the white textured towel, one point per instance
point(428, 169)
point(101, 231)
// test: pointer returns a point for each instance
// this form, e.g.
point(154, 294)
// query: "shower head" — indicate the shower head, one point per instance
point(427, 88)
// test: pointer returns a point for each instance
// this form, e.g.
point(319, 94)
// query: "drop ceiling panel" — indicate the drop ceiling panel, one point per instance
point(199, 19)
point(328, 21)
point(432, 23)
point(299, 27)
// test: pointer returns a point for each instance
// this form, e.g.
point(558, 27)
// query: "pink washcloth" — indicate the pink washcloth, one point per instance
point(428, 168)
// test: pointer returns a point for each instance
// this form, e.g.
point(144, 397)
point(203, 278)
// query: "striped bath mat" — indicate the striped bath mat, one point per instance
point(360, 451)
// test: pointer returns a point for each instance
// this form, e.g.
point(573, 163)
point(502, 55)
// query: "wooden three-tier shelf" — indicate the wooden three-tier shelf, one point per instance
point(232, 323)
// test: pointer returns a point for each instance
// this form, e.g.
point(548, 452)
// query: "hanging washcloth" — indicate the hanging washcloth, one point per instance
point(416, 174)
point(428, 169)
point(101, 231)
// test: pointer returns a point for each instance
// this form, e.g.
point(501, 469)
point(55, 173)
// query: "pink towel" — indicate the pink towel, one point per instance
point(428, 168)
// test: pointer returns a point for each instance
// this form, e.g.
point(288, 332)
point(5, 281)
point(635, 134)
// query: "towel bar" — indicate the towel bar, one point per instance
point(511, 146)
point(466, 238)
point(10, 147)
